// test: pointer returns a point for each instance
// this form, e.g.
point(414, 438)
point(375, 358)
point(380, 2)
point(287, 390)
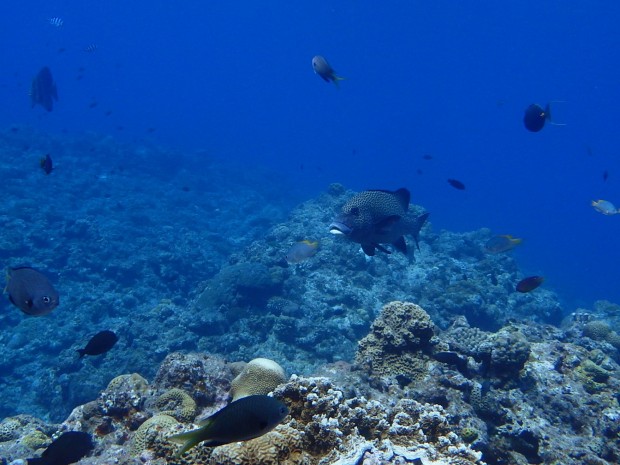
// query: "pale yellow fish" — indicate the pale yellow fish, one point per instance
point(605, 207)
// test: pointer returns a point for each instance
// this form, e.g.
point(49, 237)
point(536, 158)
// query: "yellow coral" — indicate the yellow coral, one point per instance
point(133, 382)
point(282, 446)
point(36, 440)
point(260, 376)
point(184, 407)
point(597, 330)
point(156, 428)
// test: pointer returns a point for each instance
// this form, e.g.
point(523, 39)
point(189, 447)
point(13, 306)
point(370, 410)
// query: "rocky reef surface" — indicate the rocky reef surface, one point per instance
point(527, 393)
point(426, 357)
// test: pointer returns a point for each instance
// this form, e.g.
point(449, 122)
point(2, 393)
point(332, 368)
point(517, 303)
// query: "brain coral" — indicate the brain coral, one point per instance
point(8, 429)
point(259, 376)
point(282, 446)
point(153, 430)
point(395, 342)
point(124, 394)
point(178, 404)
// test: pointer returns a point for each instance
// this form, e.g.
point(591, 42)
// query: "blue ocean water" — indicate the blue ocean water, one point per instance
point(446, 79)
point(449, 80)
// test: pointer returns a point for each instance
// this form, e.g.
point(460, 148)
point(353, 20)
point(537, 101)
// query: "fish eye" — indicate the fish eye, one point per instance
point(46, 299)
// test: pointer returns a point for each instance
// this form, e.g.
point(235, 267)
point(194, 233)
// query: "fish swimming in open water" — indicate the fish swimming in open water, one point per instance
point(502, 243)
point(323, 69)
point(376, 217)
point(68, 448)
point(43, 89)
point(605, 207)
point(241, 420)
point(46, 164)
point(99, 344)
point(535, 117)
point(31, 291)
point(529, 284)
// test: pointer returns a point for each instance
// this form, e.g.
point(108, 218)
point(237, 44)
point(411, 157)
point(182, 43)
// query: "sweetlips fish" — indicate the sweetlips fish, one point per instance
point(376, 217)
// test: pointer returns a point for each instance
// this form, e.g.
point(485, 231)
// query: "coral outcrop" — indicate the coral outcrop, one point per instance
point(397, 342)
point(259, 376)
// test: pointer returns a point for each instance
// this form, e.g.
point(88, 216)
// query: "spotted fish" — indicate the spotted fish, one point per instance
point(376, 217)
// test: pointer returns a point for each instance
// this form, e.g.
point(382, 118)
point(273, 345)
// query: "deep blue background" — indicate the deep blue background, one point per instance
point(446, 78)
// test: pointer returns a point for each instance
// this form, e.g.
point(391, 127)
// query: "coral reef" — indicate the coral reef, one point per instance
point(177, 404)
point(397, 341)
point(259, 376)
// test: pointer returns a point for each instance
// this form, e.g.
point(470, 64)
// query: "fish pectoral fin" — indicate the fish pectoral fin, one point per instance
point(369, 249)
point(400, 245)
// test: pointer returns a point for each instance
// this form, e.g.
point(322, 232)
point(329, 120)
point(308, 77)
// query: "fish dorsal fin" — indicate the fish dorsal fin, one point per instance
point(403, 197)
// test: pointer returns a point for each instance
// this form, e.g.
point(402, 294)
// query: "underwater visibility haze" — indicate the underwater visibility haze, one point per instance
point(411, 203)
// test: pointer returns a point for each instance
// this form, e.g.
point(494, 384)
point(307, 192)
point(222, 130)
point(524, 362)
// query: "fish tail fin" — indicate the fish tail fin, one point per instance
point(336, 80)
point(417, 226)
point(190, 438)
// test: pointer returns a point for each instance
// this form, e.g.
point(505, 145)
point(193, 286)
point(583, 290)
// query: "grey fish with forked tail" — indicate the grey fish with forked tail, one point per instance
point(376, 217)
point(241, 420)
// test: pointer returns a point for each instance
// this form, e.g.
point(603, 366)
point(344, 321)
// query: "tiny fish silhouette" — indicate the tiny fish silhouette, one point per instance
point(46, 164)
point(456, 184)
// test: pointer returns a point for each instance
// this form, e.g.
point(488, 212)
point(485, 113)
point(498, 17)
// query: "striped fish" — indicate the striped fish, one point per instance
point(56, 22)
point(90, 48)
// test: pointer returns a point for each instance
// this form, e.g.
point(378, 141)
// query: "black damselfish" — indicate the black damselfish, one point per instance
point(69, 448)
point(99, 344)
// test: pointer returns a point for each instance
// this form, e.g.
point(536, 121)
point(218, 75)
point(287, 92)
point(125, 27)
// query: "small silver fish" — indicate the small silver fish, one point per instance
point(605, 207)
point(56, 22)
point(323, 69)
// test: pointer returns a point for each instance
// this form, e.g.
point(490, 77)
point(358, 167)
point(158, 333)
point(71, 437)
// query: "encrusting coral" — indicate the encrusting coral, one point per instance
point(259, 376)
point(397, 341)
